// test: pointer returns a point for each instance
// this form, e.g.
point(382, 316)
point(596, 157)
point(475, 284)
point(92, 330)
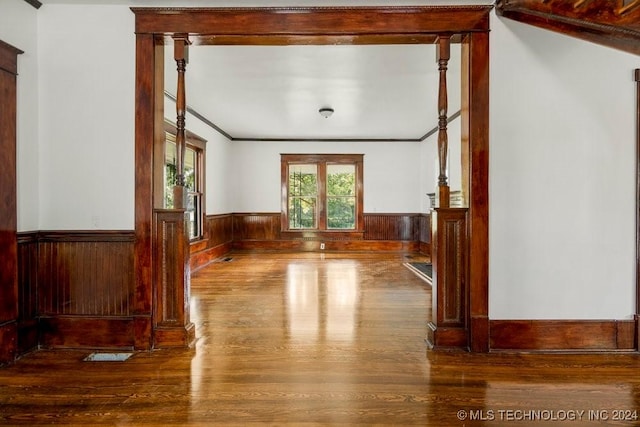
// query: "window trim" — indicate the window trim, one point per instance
point(321, 160)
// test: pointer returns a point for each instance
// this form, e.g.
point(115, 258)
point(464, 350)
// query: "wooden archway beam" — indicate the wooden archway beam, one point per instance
point(320, 22)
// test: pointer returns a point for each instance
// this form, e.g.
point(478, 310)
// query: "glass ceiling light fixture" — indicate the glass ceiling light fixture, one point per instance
point(326, 112)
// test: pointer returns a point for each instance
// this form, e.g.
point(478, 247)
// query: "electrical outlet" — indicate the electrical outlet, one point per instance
point(322, 246)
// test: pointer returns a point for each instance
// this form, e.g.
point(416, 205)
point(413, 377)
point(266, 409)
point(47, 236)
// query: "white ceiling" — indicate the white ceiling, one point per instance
point(275, 92)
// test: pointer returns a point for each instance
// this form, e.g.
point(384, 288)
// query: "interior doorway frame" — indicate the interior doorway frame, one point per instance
point(467, 25)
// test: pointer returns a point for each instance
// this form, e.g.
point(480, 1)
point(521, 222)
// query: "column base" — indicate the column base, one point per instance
point(175, 336)
point(442, 338)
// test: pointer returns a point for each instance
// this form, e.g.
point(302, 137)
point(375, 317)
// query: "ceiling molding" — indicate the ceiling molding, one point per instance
point(611, 23)
point(34, 3)
point(230, 137)
point(436, 128)
point(200, 117)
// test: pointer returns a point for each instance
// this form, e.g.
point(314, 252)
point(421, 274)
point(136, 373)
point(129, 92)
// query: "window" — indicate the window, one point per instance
point(193, 176)
point(321, 192)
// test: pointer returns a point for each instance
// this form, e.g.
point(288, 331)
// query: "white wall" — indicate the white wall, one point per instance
point(562, 183)
point(87, 54)
point(19, 27)
point(391, 173)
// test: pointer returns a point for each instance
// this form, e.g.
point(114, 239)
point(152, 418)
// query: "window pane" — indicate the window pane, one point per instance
point(341, 212)
point(302, 212)
point(194, 201)
point(169, 173)
point(341, 201)
point(190, 169)
point(341, 180)
point(191, 211)
point(303, 192)
point(303, 180)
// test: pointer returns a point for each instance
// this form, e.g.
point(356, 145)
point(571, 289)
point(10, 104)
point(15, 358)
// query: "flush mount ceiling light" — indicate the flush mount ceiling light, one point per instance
point(326, 112)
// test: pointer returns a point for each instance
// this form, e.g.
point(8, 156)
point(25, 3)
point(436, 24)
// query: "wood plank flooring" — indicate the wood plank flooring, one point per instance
point(317, 339)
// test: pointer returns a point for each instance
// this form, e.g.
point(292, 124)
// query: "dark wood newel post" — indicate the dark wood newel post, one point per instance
point(443, 56)
point(181, 56)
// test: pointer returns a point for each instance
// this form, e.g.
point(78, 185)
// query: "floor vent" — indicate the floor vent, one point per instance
point(107, 357)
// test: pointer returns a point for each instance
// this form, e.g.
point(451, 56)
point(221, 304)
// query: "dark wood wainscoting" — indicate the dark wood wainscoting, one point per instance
point(562, 335)
point(382, 232)
point(425, 234)
point(88, 274)
point(392, 227)
point(27, 292)
point(218, 240)
point(75, 288)
point(256, 227)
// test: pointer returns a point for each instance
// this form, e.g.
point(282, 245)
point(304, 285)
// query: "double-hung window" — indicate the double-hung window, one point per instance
point(322, 192)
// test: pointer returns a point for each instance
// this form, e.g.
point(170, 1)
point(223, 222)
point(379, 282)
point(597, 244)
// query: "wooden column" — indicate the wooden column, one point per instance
point(8, 204)
point(148, 82)
point(443, 56)
point(475, 124)
point(636, 334)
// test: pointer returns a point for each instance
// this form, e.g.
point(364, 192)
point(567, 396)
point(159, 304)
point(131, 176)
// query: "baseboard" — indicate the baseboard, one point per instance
point(27, 336)
point(329, 245)
point(562, 335)
point(425, 249)
point(179, 336)
point(8, 342)
point(198, 260)
point(87, 332)
point(446, 338)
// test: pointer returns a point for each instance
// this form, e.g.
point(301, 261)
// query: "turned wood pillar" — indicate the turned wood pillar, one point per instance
point(181, 56)
point(443, 56)
point(8, 205)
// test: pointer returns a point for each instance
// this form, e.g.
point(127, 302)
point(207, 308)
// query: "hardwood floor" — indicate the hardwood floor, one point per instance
point(307, 339)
